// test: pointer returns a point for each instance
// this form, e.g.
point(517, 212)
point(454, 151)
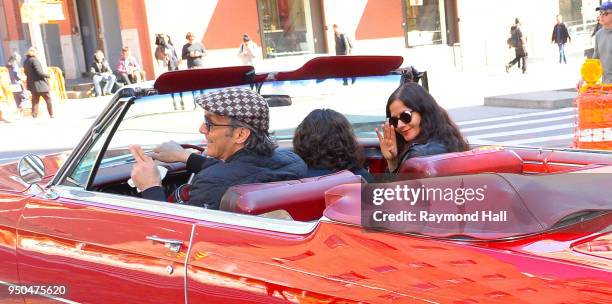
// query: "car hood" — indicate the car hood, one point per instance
point(9, 174)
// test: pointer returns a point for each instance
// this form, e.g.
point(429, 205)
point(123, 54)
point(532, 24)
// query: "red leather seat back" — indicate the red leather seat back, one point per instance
point(303, 199)
point(459, 163)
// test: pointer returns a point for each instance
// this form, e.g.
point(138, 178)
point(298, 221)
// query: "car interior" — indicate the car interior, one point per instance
point(307, 199)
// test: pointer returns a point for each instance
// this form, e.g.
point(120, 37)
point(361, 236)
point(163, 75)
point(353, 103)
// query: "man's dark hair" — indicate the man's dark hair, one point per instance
point(259, 142)
point(325, 140)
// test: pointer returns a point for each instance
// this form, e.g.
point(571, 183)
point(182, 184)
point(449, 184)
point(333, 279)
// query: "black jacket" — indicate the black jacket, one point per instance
point(37, 77)
point(99, 68)
point(343, 45)
point(214, 176)
point(563, 34)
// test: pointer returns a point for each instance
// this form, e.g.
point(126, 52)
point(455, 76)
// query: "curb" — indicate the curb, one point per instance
point(534, 100)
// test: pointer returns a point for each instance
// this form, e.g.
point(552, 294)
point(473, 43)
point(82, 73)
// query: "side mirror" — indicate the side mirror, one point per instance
point(31, 169)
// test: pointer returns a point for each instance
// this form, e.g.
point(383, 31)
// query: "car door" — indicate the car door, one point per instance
point(238, 258)
point(11, 206)
point(103, 248)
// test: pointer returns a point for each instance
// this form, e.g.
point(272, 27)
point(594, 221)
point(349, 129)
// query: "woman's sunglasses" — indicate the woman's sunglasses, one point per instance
point(405, 117)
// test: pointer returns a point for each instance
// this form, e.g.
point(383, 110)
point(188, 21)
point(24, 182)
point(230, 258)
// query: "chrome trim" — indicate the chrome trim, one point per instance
point(565, 164)
point(193, 227)
point(533, 162)
point(42, 295)
point(88, 139)
point(186, 211)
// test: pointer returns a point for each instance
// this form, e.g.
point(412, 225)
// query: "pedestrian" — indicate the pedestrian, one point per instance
point(517, 41)
point(343, 46)
point(128, 68)
point(193, 52)
point(247, 51)
point(101, 72)
point(37, 82)
point(561, 36)
point(603, 43)
point(165, 53)
point(17, 81)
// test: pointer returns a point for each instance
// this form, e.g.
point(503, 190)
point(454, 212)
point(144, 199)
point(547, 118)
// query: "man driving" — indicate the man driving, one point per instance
point(239, 151)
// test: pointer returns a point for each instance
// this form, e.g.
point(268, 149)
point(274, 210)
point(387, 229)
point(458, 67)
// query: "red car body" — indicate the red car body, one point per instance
point(108, 248)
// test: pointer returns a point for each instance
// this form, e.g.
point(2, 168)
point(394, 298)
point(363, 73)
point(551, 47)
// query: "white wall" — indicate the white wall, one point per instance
point(345, 13)
point(183, 16)
point(485, 27)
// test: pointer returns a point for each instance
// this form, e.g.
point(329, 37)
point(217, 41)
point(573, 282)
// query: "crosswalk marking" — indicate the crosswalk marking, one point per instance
point(518, 123)
point(538, 140)
point(525, 131)
point(555, 128)
point(518, 116)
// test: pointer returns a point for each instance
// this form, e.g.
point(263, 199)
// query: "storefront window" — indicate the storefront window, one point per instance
point(579, 15)
point(422, 24)
point(286, 27)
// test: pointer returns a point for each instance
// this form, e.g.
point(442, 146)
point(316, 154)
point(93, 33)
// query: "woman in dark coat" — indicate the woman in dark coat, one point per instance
point(37, 82)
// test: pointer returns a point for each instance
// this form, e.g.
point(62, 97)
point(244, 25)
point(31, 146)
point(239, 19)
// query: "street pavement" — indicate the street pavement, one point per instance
point(550, 128)
point(460, 91)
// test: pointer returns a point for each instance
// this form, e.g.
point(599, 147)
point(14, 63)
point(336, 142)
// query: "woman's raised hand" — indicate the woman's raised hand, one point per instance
point(388, 145)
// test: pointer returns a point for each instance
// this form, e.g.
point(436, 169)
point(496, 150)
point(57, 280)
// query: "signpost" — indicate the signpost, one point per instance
point(37, 12)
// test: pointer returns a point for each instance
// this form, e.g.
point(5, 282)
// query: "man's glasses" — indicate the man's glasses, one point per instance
point(405, 117)
point(604, 13)
point(209, 125)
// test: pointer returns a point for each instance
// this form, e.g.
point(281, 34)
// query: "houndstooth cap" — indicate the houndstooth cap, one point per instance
point(244, 105)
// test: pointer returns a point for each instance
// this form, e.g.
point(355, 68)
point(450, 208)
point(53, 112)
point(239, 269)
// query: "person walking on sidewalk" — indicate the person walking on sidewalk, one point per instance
point(517, 41)
point(561, 36)
point(101, 72)
point(343, 47)
point(17, 87)
point(193, 52)
point(247, 51)
point(603, 43)
point(37, 82)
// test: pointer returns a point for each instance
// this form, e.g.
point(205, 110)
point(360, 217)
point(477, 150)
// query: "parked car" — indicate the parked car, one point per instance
point(70, 220)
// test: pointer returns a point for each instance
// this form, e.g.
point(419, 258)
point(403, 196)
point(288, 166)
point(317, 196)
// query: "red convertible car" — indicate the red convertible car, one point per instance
point(73, 231)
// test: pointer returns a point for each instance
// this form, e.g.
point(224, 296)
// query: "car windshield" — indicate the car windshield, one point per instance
point(155, 119)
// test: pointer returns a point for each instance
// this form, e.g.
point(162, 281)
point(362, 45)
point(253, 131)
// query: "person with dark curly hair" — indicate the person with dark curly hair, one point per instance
point(416, 126)
point(326, 142)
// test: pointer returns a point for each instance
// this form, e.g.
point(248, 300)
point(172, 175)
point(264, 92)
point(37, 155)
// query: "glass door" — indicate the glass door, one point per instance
point(286, 27)
point(422, 22)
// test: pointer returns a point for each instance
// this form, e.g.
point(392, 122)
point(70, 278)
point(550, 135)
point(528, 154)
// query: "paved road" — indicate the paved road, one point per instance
point(551, 128)
point(480, 124)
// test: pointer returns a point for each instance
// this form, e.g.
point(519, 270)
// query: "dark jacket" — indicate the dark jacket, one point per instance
point(37, 77)
point(343, 45)
point(13, 69)
point(193, 62)
point(431, 147)
point(99, 68)
point(215, 176)
point(563, 36)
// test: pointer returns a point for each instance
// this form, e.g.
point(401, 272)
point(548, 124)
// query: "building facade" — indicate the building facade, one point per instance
point(455, 33)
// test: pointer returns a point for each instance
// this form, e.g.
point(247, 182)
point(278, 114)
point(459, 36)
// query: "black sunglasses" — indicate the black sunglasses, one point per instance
point(209, 125)
point(405, 117)
point(604, 13)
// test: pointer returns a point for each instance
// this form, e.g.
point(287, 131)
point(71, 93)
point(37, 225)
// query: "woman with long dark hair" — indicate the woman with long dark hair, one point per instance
point(326, 142)
point(416, 126)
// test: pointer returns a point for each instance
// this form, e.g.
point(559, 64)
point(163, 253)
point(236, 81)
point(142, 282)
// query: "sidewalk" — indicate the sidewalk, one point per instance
point(450, 87)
